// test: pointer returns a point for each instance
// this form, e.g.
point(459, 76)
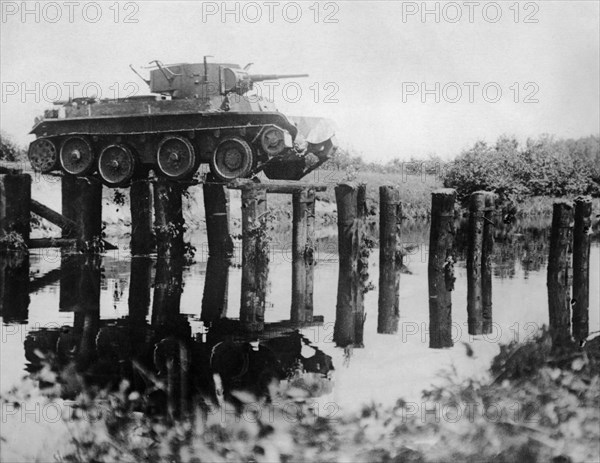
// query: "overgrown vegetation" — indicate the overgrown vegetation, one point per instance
point(9, 150)
point(538, 405)
point(543, 167)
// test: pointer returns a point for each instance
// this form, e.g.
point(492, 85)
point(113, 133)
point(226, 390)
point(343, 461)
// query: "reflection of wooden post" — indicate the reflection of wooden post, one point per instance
point(310, 254)
point(581, 267)
point(140, 282)
point(486, 263)
point(348, 249)
point(82, 204)
point(140, 199)
point(168, 286)
point(439, 269)
point(168, 219)
point(14, 286)
point(80, 283)
point(216, 207)
point(15, 200)
point(474, 307)
point(214, 299)
point(558, 272)
point(299, 242)
point(389, 259)
point(255, 258)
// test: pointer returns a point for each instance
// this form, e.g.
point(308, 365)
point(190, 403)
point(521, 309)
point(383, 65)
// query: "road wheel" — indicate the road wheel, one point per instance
point(76, 156)
point(233, 158)
point(43, 155)
point(176, 158)
point(116, 165)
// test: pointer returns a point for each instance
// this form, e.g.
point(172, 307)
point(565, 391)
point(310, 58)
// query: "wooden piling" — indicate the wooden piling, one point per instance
point(255, 258)
point(216, 207)
point(362, 265)
point(390, 260)
point(15, 200)
point(486, 262)
point(474, 263)
point(142, 233)
point(581, 267)
point(299, 243)
point(440, 267)
point(348, 251)
point(558, 272)
point(82, 204)
point(168, 219)
point(310, 254)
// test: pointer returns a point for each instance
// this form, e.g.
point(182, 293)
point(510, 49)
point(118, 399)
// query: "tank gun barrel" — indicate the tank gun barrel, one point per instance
point(261, 77)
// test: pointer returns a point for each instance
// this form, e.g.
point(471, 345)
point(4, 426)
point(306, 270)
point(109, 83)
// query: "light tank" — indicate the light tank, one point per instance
point(196, 113)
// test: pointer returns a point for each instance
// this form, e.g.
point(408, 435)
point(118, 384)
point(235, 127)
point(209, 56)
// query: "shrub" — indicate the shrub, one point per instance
point(9, 150)
point(544, 166)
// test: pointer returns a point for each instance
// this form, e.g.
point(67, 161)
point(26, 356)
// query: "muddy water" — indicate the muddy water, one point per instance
point(141, 303)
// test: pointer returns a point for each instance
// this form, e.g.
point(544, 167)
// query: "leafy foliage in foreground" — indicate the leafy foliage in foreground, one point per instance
point(539, 405)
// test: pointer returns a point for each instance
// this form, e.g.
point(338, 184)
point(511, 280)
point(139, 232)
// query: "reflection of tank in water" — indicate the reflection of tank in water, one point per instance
point(198, 113)
point(155, 359)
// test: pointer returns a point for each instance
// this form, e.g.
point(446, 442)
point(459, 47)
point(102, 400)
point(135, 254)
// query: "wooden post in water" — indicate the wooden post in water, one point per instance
point(474, 263)
point(486, 263)
point(168, 219)
point(390, 259)
point(82, 204)
point(216, 207)
point(311, 244)
point(581, 267)
point(348, 249)
point(362, 265)
point(299, 243)
point(140, 202)
point(255, 258)
point(440, 271)
point(559, 297)
point(15, 200)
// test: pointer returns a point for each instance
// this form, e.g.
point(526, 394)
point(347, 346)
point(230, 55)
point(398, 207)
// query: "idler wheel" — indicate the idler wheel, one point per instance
point(176, 158)
point(272, 141)
point(43, 155)
point(233, 158)
point(76, 156)
point(116, 165)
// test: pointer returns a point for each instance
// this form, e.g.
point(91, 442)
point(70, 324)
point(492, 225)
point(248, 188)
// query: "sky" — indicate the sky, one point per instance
point(399, 79)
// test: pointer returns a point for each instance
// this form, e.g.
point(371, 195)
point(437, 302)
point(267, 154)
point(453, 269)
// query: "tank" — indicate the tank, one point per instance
point(194, 113)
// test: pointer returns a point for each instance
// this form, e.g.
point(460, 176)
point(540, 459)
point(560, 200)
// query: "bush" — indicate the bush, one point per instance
point(544, 166)
point(9, 150)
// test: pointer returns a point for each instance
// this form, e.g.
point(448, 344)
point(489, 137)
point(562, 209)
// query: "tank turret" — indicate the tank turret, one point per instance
point(205, 80)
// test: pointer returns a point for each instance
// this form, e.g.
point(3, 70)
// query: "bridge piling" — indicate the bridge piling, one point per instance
point(168, 219)
point(142, 234)
point(474, 263)
point(440, 267)
point(390, 260)
point(558, 277)
point(82, 204)
point(581, 267)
